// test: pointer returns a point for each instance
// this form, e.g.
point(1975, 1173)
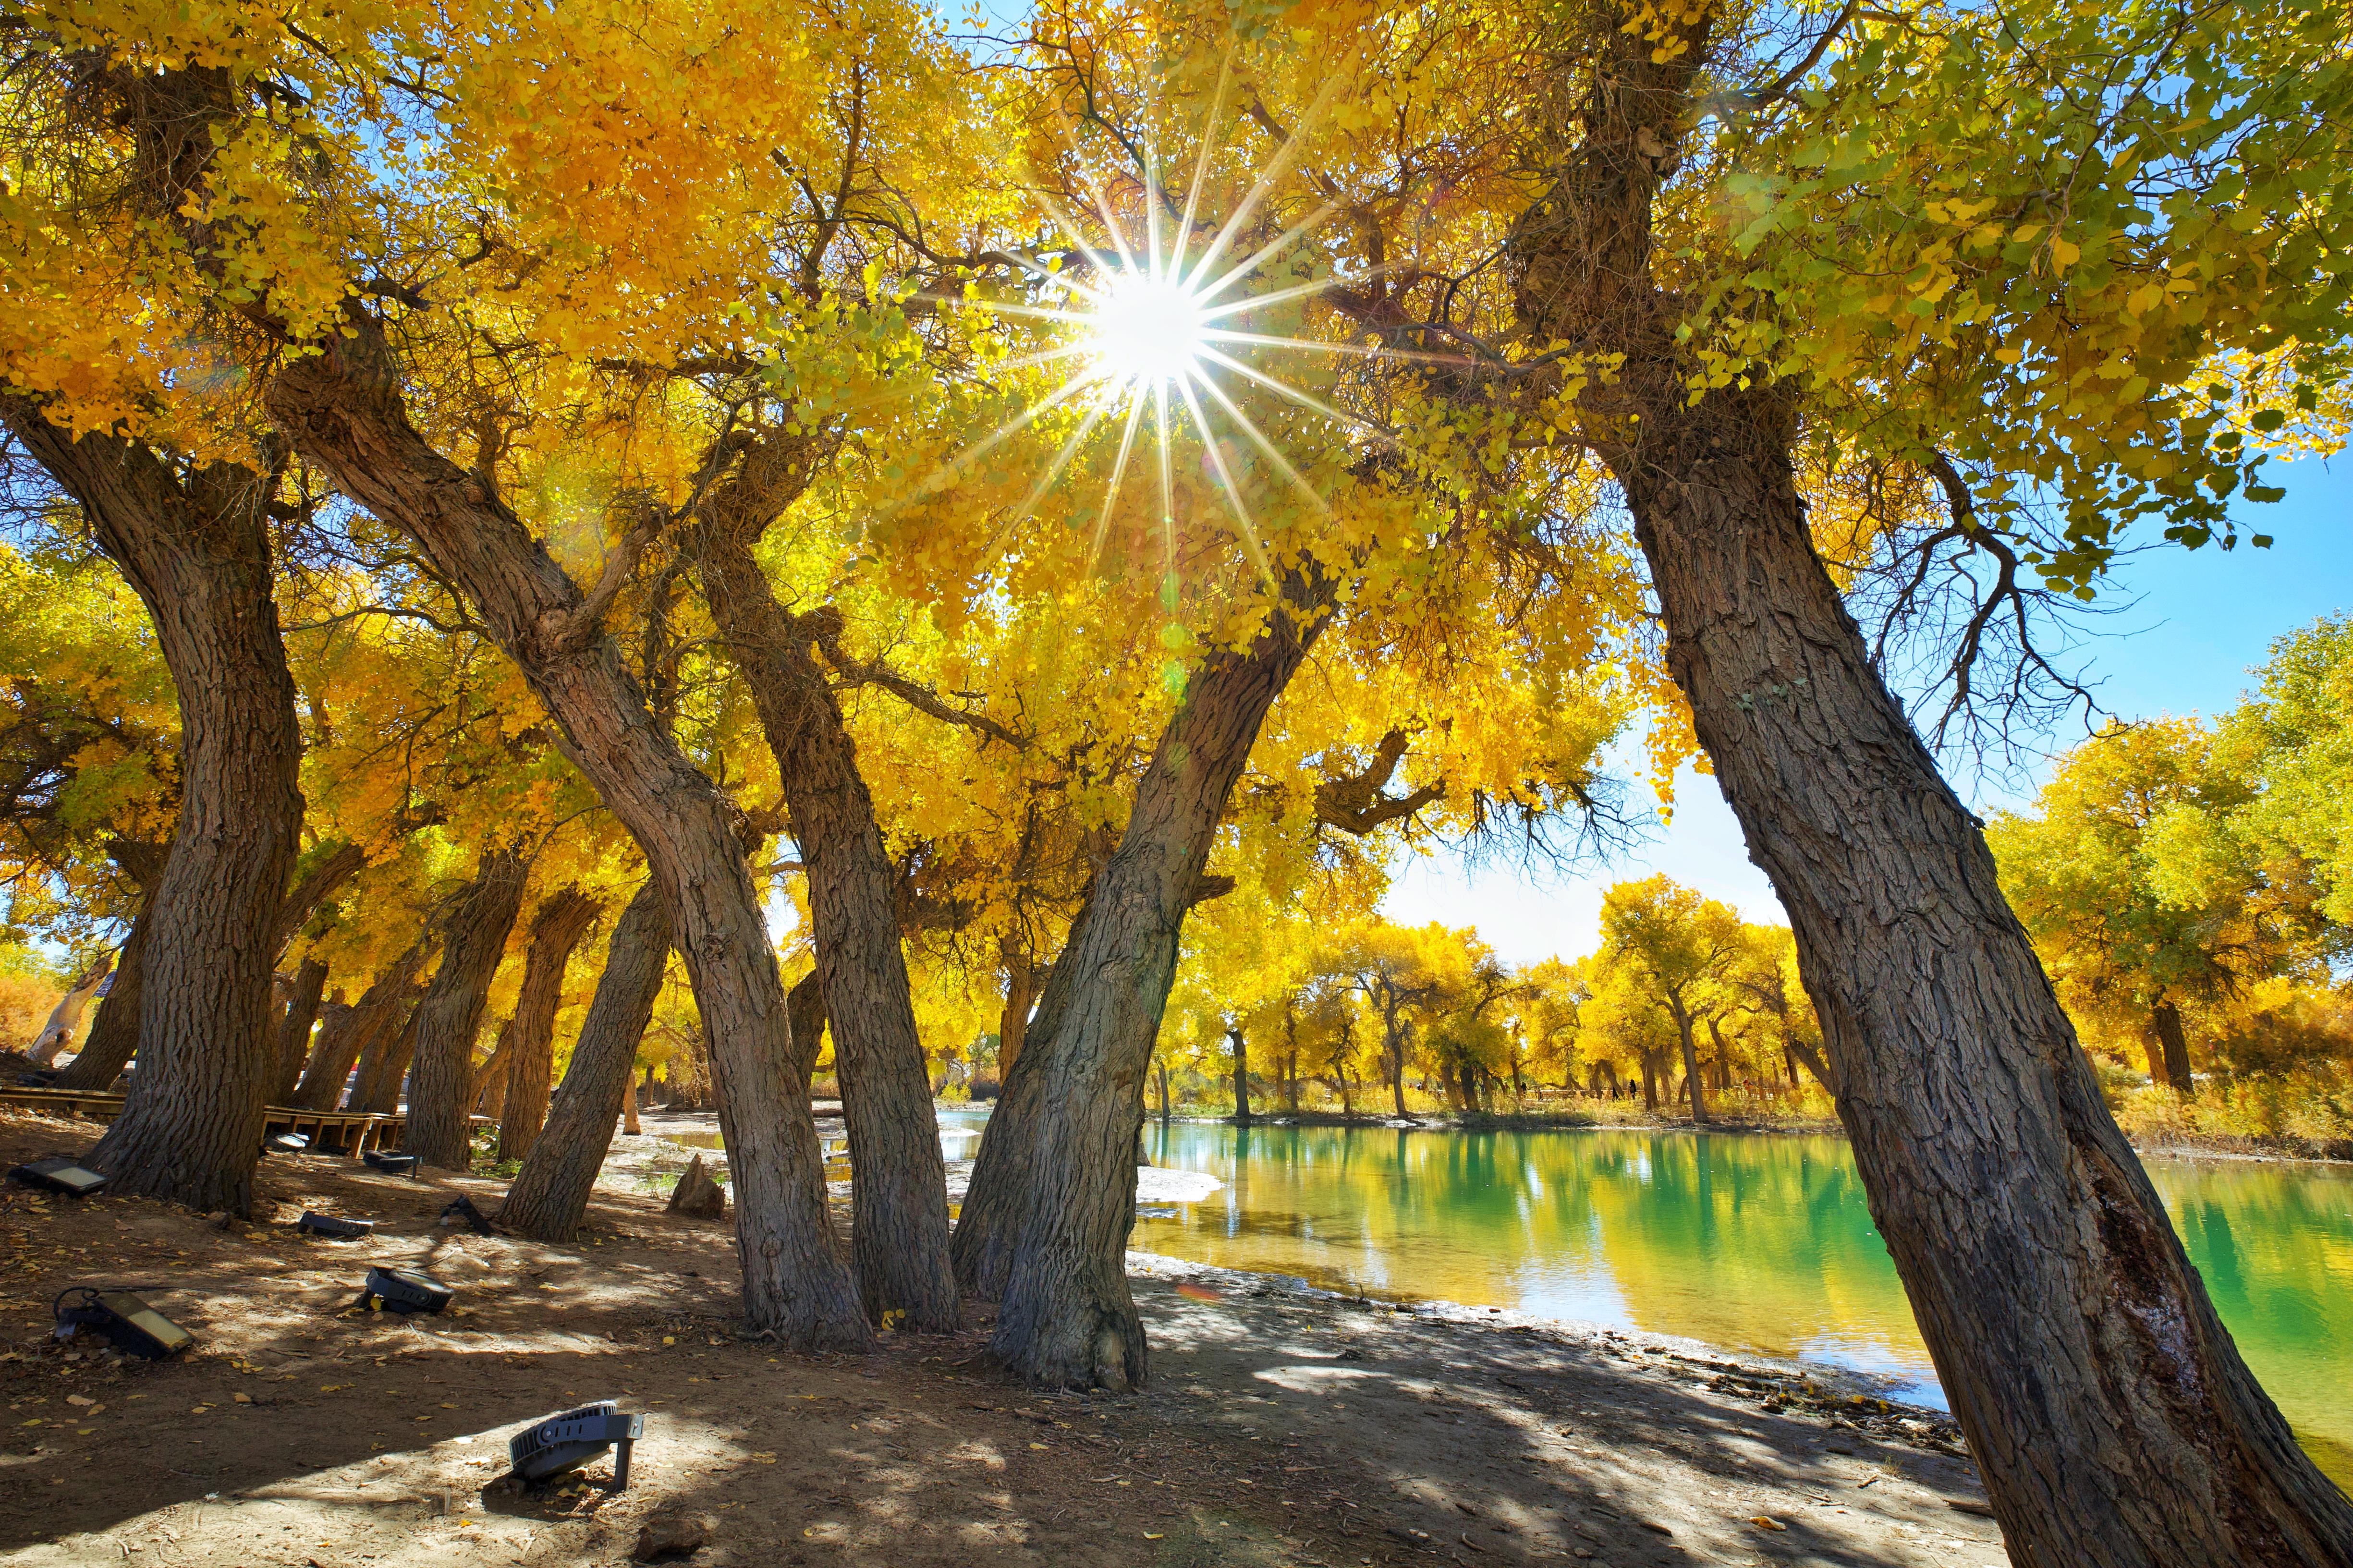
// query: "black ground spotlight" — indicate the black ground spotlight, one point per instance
point(334, 1225)
point(135, 1327)
point(564, 1442)
point(60, 1174)
point(405, 1290)
point(392, 1164)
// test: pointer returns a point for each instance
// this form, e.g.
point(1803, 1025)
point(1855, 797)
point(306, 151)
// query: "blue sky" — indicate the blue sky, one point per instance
point(2197, 621)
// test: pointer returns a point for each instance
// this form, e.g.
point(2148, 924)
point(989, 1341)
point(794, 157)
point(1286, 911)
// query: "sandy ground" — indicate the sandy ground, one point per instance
point(1279, 1428)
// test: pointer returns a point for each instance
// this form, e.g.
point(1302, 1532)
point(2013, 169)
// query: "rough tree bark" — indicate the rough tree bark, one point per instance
point(1067, 1319)
point(1235, 1038)
point(319, 884)
point(294, 1029)
point(2171, 1047)
point(1691, 1082)
point(441, 1056)
point(899, 1225)
point(194, 543)
point(486, 1085)
point(1013, 1018)
point(550, 1195)
point(2109, 1413)
point(555, 931)
point(342, 1041)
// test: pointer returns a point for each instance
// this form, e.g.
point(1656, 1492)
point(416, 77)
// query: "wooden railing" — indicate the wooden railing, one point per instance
point(349, 1133)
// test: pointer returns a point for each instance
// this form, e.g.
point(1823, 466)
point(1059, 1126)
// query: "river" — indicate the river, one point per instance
point(1741, 1240)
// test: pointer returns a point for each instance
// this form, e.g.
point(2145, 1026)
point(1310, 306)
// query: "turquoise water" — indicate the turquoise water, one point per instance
point(1762, 1243)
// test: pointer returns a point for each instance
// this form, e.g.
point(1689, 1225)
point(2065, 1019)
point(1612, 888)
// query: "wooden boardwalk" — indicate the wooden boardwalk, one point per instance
point(349, 1133)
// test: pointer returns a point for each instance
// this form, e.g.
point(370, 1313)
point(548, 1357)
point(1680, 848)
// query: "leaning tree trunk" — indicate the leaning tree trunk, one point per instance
point(2173, 1044)
point(1013, 1018)
point(294, 1029)
point(1067, 1319)
point(473, 941)
point(1693, 1084)
point(2109, 1411)
point(2111, 1417)
point(194, 545)
point(342, 408)
point(555, 931)
point(486, 1085)
point(1235, 1037)
point(318, 884)
point(66, 1016)
point(344, 1039)
point(114, 1033)
point(899, 1220)
point(550, 1195)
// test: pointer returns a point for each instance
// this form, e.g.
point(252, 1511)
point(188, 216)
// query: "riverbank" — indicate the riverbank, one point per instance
point(2171, 1142)
point(1283, 1426)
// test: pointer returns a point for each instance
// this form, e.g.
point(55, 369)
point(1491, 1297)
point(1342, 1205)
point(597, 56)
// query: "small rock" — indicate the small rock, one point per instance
point(222, 1219)
point(671, 1533)
point(697, 1196)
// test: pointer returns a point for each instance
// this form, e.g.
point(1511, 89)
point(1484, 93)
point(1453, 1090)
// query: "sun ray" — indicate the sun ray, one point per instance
point(1272, 297)
point(1226, 476)
point(1200, 169)
point(1021, 513)
point(1111, 220)
point(1321, 346)
point(1118, 475)
point(1233, 411)
point(940, 476)
point(1284, 389)
point(1236, 274)
point(1167, 481)
point(1276, 167)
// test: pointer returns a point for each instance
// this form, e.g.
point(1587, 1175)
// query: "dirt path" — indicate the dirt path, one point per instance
point(1279, 1429)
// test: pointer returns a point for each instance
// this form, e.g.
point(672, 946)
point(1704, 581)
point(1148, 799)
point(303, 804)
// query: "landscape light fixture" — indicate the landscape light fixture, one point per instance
point(562, 1443)
point(392, 1164)
point(334, 1225)
point(60, 1174)
point(405, 1290)
point(285, 1143)
point(135, 1327)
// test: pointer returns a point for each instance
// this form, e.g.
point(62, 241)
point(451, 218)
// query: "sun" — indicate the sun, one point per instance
point(1147, 329)
point(1153, 327)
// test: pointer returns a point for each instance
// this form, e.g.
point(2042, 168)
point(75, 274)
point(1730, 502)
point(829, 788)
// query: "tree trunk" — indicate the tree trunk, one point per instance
point(114, 1033)
point(1691, 1084)
point(1013, 1018)
point(1348, 1106)
point(1163, 1068)
point(687, 1081)
point(2173, 1045)
point(194, 543)
point(1241, 1074)
point(294, 1029)
point(66, 1016)
point(2112, 1417)
point(555, 931)
point(628, 1102)
point(1067, 1319)
point(805, 1003)
point(899, 1223)
point(486, 1085)
point(441, 1059)
point(319, 884)
point(370, 1019)
point(550, 1195)
point(1397, 1072)
point(341, 407)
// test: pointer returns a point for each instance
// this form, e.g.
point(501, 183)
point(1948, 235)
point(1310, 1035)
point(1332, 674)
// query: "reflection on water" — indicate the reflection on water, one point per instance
point(1759, 1242)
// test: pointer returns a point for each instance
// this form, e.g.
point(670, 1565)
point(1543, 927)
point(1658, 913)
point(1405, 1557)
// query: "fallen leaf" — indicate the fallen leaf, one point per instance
point(1148, 1535)
point(1766, 1523)
point(242, 1398)
point(79, 1399)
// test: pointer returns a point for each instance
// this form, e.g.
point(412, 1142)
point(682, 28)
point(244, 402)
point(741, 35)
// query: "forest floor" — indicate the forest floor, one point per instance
point(1278, 1428)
